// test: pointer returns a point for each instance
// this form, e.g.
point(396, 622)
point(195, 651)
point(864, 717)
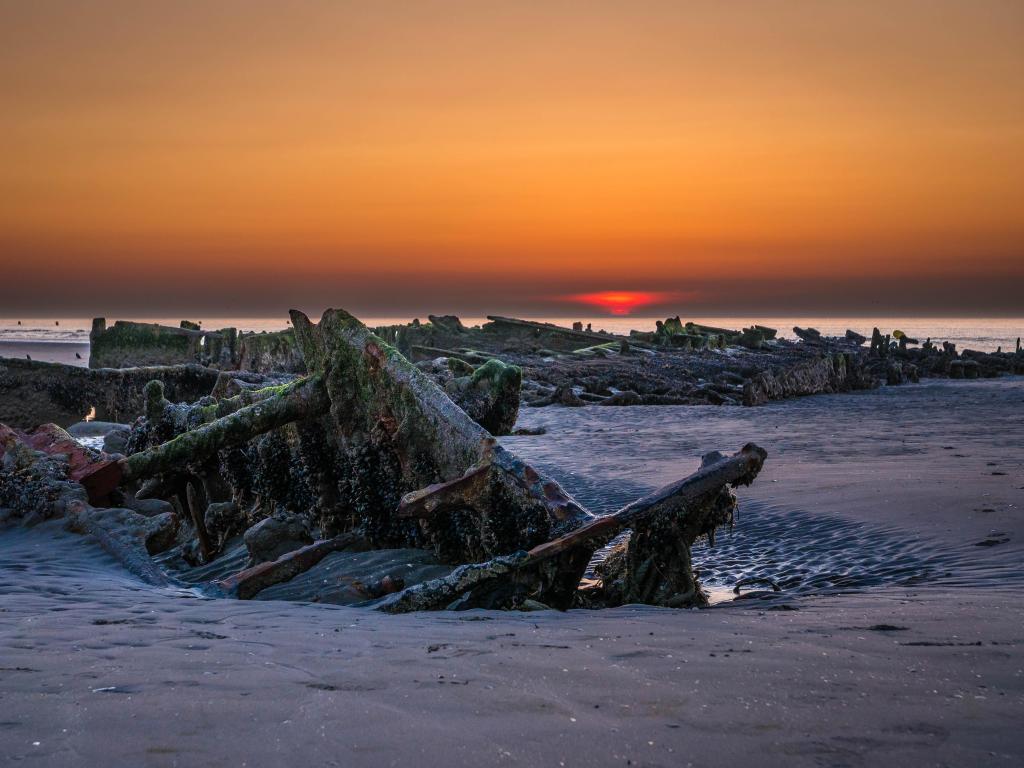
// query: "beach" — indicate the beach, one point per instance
point(892, 517)
point(512, 384)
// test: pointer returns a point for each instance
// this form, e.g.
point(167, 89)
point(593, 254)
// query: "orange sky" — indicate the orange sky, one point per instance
point(388, 156)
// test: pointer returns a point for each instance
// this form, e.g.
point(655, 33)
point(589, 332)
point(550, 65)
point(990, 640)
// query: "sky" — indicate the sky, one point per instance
point(736, 158)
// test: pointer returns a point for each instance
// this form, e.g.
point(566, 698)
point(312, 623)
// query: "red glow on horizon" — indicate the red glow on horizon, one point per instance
point(619, 302)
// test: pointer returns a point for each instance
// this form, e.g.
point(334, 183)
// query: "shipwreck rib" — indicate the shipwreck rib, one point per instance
point(497, 579)
point(191, 416)
point(130, 554)
point(739, 469)
point(551, 328)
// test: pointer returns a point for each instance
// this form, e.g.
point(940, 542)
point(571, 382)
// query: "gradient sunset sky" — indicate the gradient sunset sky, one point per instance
point(404, 157)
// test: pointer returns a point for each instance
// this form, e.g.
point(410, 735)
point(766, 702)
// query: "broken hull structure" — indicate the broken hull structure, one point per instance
point(367, 452)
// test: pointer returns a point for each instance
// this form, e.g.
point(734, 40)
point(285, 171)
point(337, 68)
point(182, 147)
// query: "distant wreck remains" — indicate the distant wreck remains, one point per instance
point(127, 344)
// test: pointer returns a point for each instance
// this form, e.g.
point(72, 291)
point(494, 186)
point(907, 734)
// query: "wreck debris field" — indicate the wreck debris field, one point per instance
point(499, 525)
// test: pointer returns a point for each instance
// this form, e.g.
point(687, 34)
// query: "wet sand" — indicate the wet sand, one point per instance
point(942, 459)
point(913, 656)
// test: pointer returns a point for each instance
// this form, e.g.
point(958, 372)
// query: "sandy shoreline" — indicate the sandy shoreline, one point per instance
point(928, 673)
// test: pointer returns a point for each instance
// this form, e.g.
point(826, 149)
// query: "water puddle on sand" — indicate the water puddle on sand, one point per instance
point(776, 551)
point(719, 595)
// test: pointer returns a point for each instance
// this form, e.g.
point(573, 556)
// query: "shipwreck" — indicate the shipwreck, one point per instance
point(363, 452)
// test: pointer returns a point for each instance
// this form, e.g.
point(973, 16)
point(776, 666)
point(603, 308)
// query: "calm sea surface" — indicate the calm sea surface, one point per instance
point(65, 339)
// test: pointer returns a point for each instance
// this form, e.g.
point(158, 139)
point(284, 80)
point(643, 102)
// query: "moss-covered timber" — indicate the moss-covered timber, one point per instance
point(490, 395)
point(375, 390)
point(299, 400)
point(175, 418)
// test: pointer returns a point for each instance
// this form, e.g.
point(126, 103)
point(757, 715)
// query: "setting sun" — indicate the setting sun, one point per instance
point(718, 147)
point(621, 302)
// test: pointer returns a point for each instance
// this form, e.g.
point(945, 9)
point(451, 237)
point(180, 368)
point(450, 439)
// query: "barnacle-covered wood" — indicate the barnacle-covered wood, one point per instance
point(344, 445)
point(395, 431)
point(665, 524)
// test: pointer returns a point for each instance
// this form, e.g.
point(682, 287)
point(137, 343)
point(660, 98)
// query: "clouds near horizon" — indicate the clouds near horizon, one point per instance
point(776, 156)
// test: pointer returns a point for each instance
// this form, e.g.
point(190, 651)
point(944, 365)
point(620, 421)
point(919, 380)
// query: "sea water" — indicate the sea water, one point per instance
point(67, 339)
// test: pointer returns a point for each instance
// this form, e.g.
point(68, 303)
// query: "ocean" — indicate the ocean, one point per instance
point(67, 339)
